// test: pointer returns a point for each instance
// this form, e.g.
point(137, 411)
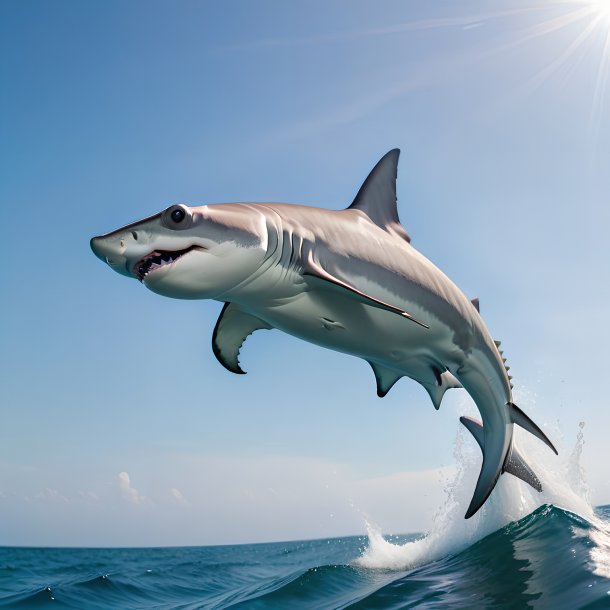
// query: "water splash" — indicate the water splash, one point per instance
point(575, 472)
point(564, 485)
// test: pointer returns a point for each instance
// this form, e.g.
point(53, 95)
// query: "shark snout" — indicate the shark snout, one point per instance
point(107, 249)
point(111, 251)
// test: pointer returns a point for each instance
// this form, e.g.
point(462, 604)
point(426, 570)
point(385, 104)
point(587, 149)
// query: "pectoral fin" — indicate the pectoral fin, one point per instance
point(317, 276)
point(232, 329)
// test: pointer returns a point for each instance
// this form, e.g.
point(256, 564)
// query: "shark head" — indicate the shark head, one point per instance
point(188, 252)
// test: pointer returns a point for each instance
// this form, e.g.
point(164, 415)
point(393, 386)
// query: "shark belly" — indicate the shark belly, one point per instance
point(344, 325)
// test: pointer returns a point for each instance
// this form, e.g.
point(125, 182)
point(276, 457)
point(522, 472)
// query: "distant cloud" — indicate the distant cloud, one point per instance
point(50, 494)
point(89, 495)
point(472, 26)
point(291, 497)
point(178, 497)
point(129, 493)
point(466, 22)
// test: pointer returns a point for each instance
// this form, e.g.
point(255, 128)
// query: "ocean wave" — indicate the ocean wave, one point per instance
point(514, 553)
point(552, 558)
point(548, 559)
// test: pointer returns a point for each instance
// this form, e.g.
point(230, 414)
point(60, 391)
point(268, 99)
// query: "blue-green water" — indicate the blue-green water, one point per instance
point(550, 559)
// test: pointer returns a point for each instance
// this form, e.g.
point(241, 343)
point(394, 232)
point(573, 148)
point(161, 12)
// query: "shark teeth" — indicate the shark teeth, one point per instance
point(157, 259)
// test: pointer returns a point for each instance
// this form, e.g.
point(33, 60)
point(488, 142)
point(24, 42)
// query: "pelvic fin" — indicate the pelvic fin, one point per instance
point(385, 378)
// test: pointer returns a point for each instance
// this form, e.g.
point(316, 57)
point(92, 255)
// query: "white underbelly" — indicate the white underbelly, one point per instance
point(346, 325)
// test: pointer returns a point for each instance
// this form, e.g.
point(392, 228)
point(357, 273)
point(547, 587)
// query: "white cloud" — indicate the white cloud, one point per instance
point(279, 497)
point(178, 497)
point(50, 494)
point(89, 495)
point(129, 493)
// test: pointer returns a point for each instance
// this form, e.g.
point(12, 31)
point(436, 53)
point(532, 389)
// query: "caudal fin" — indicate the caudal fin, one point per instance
point(517, 466)
point(521, 419)
point(512, 462)
point(491, 469)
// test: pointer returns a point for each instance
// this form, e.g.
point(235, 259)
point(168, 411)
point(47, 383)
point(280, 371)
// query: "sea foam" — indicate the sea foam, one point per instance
point(564, 485)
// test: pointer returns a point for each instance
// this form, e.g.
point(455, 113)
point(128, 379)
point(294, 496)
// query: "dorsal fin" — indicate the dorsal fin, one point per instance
point(377, 195)
point(476, 304)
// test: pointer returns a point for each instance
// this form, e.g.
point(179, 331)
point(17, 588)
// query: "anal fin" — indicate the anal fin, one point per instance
point(444, 382)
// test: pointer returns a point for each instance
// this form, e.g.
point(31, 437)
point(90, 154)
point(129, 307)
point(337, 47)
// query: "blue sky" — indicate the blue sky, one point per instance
point(118, 427)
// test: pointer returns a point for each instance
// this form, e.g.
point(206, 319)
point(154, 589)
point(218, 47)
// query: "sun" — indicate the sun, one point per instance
point(601, 7)
point(593, 35)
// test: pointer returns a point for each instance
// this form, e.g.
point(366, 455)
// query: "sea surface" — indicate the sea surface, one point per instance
point(523, 549)
point(552, 558)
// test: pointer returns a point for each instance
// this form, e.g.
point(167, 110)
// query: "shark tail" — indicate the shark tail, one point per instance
point(518, 417)
point(511, 461)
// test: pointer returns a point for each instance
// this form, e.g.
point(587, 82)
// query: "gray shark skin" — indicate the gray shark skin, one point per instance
point(346, 280)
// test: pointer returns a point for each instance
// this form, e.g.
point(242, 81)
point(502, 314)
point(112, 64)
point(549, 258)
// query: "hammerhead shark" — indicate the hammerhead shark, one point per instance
point(347, 280)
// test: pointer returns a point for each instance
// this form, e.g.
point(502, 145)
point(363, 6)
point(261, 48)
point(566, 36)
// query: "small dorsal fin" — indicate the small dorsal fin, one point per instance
point(377, 195)
point(475, 302)
point(506, 367)
point(385, 378)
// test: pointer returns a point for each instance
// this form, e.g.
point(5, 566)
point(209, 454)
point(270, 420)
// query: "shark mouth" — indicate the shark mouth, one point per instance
point(158, 259)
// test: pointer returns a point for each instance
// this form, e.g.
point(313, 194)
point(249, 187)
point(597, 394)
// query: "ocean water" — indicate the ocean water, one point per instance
point(522, 550)
point(552, 558)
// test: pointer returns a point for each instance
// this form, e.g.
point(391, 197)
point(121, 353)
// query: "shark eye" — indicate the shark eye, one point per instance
point(177, 217)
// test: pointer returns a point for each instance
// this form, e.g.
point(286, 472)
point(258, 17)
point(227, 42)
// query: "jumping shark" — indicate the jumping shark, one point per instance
point(347, 280)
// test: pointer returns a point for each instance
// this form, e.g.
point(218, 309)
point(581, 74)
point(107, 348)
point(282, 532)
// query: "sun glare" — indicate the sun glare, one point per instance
point(601, 7)
point(594, 35)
